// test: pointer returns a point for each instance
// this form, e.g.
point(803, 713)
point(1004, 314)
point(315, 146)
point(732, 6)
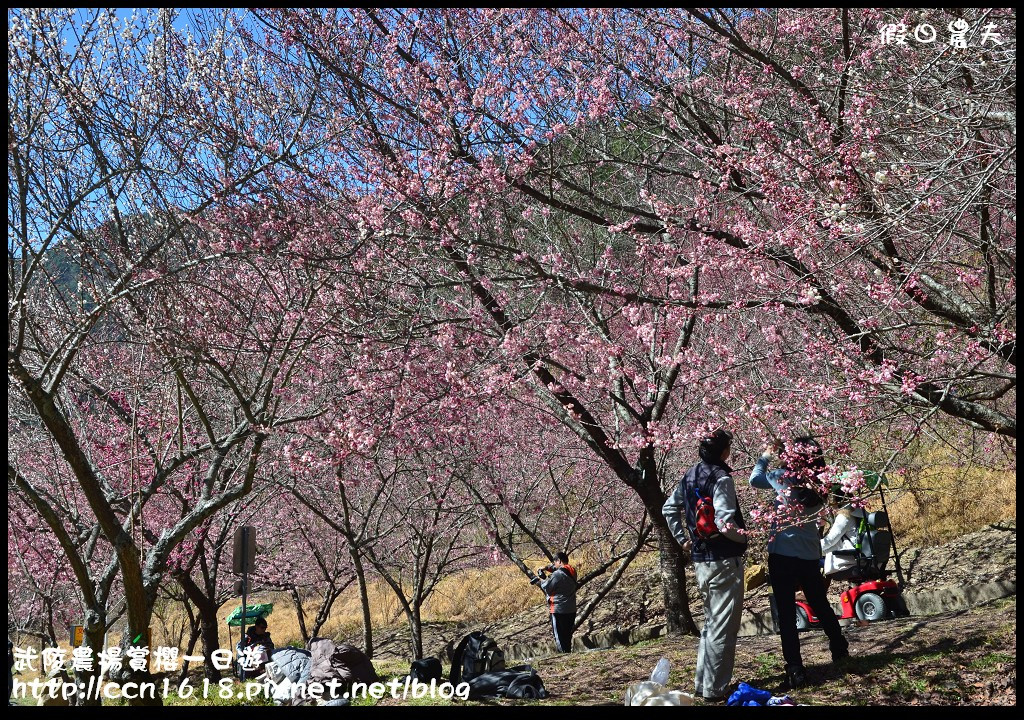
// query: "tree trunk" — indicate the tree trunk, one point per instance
point(364, 600)
point(50, 631)
point(585, 612)
point(210, 633)
point(672, 561)
point(209, 629)
point(415, 630)
point(140, 678)
point(323, 614)
point(195, 630)
point(93, 639)
point(300, 615)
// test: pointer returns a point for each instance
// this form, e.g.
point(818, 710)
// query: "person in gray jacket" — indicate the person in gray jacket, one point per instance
point(717, 560)
point(560, 590)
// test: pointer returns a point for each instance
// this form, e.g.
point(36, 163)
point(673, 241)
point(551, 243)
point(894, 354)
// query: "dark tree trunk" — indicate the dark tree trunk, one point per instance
point(300, 615)
point(93, 638)
point(195, 630)
point(672, 563)
point(323, 614)
point(140, 678)
point(50, 630)
point(415, 630)
point(364, 600)
point(209, 630)
point(672, 560)
point(210, 634)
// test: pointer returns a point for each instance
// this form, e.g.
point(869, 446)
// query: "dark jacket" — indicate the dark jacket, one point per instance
point(345, 663)
point(251, 639)
point(712, 480)
point(560, 587)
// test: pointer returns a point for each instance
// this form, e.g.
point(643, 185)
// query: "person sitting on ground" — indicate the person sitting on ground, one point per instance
point(258, 636)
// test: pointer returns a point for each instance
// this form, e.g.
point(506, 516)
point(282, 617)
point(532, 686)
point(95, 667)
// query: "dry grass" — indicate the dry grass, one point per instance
point(479, 594)
point(483, 594)
point(936, 501)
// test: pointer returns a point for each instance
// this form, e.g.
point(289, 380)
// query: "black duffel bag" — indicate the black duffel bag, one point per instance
point(426, 670)
point(518, 682)
point(476, 654)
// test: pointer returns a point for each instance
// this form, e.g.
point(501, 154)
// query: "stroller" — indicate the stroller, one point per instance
point(871, 595)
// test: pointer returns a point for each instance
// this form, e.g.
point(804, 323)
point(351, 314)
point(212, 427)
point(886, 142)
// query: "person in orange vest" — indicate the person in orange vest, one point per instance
point(560, 589)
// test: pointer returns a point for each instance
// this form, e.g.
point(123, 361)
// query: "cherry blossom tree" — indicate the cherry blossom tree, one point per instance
point(150, 375)
point(169, 445)
point(200, 571)
point(42, 603)
point(662, 189)
point(538, 491)
point(303, 556)
point(414, 266)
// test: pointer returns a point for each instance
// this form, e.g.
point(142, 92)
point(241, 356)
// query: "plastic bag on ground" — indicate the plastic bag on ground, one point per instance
point(650, 694)
point(638, 692)
point(660, 673)
point(282, 691)
point(673, 698)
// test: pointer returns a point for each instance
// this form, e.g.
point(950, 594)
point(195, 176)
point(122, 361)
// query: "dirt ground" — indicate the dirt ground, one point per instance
point(959, 658)
point(963, 658)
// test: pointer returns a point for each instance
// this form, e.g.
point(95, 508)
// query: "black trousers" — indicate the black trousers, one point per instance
point(562, 625)
point(786, 574)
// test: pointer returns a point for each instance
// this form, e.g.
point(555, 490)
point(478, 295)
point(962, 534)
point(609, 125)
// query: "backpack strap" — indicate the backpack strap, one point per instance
point(457, 656)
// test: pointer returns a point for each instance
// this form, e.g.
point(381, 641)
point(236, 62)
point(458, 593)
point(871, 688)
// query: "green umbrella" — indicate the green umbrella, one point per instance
point(252, 614)
point(872, 480)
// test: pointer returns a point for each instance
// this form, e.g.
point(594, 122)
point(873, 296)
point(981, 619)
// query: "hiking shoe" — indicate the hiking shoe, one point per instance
point(715, 699)
point(796, 678)
point(842, 663)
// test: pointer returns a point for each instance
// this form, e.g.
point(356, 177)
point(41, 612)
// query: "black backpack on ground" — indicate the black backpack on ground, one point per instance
point(475, 655)
point(426, 670)
point(527, 685)
point(520, 682)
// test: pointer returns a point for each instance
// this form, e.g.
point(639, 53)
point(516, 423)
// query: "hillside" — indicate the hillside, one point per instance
point(984, 556)
point(961, 657)
point(956, 658)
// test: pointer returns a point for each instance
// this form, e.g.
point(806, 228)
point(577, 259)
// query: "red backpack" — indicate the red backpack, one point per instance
point(705, 527)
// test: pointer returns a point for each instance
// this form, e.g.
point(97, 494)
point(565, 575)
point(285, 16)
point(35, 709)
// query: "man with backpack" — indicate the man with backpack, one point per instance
point(560, 589)
point(703, 514)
